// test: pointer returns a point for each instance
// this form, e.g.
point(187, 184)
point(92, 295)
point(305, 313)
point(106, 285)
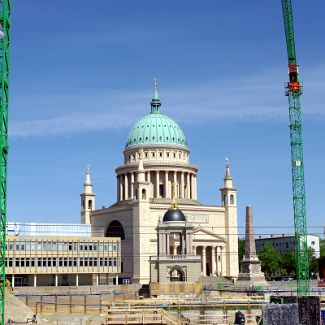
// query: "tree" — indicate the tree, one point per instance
point(288, 263)
point(313, 263)
point(322, 247)
point(270, 259)
point(241, 250)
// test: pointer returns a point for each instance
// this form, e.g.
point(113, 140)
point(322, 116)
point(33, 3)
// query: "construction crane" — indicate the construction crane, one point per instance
point(5, 13)
point(294, 91)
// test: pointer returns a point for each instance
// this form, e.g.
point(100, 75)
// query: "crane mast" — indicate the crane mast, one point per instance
point(294, 91)
point(5, 13)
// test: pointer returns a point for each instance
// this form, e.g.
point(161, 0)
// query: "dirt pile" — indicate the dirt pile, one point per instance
point(19, 312)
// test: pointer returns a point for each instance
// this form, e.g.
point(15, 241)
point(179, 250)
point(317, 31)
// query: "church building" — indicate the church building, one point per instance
point(156, 160)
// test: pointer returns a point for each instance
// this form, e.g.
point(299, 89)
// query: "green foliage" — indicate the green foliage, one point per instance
point(321, 266)
point(322, 247)
point(270, 259)
point(313, 263)
point(241, 249)
point(288, 263)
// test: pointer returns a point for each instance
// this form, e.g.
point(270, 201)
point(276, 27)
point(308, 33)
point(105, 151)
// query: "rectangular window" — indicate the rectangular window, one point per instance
point(101, 261)
point(110, 262)
point(114, 247)
point(95, 246)
point(10, 262)
point(70, 261)
point(44, 262)
point(65, 262)
point(101, 247)
point(54, 261)
point(60, 261)
point(105, 261)
point(22, 262)
point(81, 246)
point(39, 262)
point(27, 262)
point(33, 246)
point(74, 261)
point(95, 261)
point(114, 261)
point(17, 246)
point(70, 246)
point(32, 262)
point(90, 261)
point(17, 262)
point(10, 246)
point(28, 246)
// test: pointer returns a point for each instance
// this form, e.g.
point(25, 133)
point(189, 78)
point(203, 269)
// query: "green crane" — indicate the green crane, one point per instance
point(5, 11)
point(293, 91)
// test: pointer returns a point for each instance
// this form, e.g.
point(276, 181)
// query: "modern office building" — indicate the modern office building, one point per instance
point(60, 260)
point(286, 243)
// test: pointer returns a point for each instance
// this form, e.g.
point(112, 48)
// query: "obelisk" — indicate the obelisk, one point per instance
point(251, 266)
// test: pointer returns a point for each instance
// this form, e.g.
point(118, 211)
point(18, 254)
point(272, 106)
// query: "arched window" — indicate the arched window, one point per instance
point(83, 205)
point(115, 229)
point(225, 201)
point(90, 204)
point(232, 200)
point(143, 194)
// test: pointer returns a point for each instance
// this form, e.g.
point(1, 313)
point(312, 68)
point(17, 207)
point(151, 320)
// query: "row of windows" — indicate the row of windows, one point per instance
point(286, 244)
point(181, 155)
point(61, 246)
point(61, 262)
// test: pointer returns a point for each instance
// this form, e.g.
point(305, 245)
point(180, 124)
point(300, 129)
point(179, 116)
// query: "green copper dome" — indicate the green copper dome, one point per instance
point(156, 129)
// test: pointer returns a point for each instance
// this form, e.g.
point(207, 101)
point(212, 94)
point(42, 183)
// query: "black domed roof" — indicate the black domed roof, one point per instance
point(174, 215)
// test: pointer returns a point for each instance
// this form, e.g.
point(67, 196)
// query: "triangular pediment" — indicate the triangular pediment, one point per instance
point(206, 235)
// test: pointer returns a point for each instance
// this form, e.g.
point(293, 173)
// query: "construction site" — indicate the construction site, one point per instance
point(157, 255)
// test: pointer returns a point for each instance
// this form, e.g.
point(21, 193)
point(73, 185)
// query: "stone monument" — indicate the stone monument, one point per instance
point(251, 266)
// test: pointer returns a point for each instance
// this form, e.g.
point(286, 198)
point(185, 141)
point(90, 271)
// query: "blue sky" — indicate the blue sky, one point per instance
point(82, 74)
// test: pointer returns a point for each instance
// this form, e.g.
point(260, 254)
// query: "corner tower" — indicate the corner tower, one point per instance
point(87, 199)
point(229, 202)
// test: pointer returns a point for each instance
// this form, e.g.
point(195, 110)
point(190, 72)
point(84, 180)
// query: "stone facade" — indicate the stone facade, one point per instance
point(144, 186)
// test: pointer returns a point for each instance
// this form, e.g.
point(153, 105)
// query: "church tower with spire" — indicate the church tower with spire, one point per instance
point(87, 199)
point(229, 202)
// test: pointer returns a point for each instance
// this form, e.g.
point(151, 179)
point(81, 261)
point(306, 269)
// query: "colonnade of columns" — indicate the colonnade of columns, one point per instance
point(186, 185)
point(213, 259)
